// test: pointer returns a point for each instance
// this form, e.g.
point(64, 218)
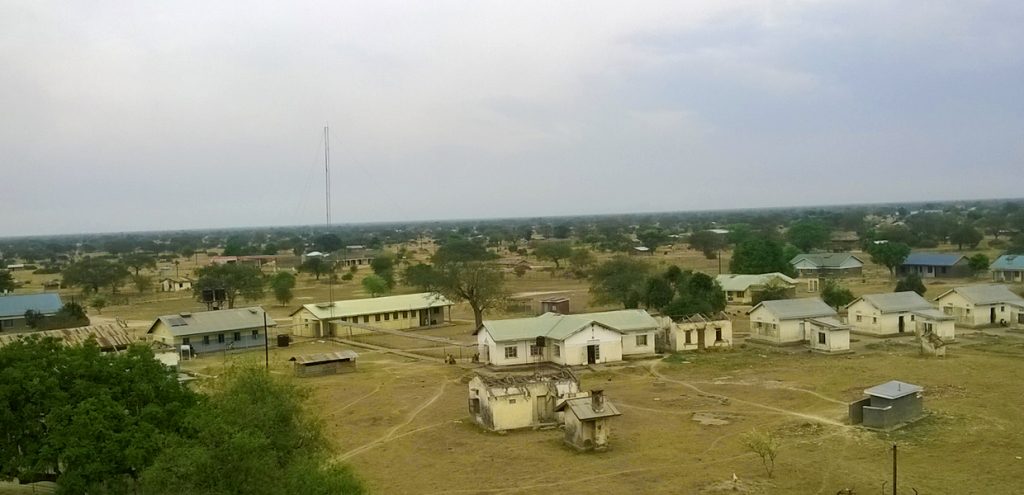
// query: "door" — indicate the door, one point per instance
point(902, 327)
point(593, 353)
point(992, 315)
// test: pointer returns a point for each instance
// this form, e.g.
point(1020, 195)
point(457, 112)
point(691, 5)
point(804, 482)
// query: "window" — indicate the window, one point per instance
point(6, 323)
point(343, 319)
point(255, 334)
point(206, 340)
point(184, 340)
point(859, 317)
point(511, 401)
point(912, 318)
point(220, 338)
point(689, 339)
point(376, 317)
point(968, 311)
point(641, 340)
point(437, 311)
point(405, 314)
point(718, 335)
point(944, 269)
point(238, 336)
point(874, 319)
point(534, 350)
point(927, 327)
point(821, 338)
point(387, 316)
point(558, 349)
point(511, 352)
point(597, 352)
point(1002, 309)
point(366, 319)
point(394, 316)
point(474, 406)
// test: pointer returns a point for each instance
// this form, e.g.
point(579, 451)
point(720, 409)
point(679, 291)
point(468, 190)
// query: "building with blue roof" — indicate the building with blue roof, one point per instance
point(13, 308)
point(936, 265)
point(1008, 268)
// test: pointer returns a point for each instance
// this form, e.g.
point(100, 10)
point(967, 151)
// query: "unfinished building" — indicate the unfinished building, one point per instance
point(511, 401)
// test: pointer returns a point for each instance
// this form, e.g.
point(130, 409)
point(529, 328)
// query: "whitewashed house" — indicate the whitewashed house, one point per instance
point(175, 284)
point(983, 305)
point(814, 265)
point(509, 401)
point(684, 335)
point(799, 321)
point(569, 340)
point(744, 288)
point(349, 317)
point(897, 313)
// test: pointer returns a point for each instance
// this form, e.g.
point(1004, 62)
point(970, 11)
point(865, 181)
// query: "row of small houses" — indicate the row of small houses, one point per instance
point(1006, 268)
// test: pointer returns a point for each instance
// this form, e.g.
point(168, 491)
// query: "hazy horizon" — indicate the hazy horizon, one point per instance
point(152, 116)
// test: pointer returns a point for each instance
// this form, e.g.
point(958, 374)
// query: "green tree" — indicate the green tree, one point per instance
point(765, 445)
point(98, 303)
point(696, 292)
point(653, 237)
point(6, 282)
point(580, 261)
point(251, 435)
point(138, 261)
point(317, 266)
point(462, 251)
point(835, 295)
point(236, 279)
point(707, 242)
point(912, 282)
point(889, 254)
point(90, 274)
point(658, 292)
point(978, 263)
point(384, 267)
point(965, 235)
point(142, 283)
point(758, 254)
point(282, 284)
point(459, 277)
point(561, 231)
point(90, 421)
point(376, 286)
point(555, 251)
point(808, 234)
point(619, 280)
point(327, 243)
point(772, 291)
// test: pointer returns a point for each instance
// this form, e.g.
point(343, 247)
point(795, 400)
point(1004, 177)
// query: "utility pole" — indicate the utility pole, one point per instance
point(266, 341)
point(894, 469)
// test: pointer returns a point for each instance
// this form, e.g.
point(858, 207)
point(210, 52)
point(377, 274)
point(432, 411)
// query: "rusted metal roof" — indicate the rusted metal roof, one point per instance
point(107, 336)
point(325, 357)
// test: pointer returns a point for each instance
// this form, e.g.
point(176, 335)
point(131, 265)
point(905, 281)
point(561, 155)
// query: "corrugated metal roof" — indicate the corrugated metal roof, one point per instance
point(1008, 262)
point(788, 309)
point(107, 336)
point(893, 390)
point(326, 357)
point(374, 305)
point(896, 302)
point(224, 320)
point(47, 303)
point(825, 260)
point(933, 314)
point(560, 327)
point(831, 322)
point(986, 294)
point(583, 408)
point(741, 282)
point(933, 259)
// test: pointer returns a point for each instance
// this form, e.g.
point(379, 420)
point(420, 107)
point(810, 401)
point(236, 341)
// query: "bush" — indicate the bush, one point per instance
point(347, 276)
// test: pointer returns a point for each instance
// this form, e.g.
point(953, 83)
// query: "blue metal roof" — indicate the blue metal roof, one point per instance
point(1008, 262)
point(47, 303)
point(933, 259)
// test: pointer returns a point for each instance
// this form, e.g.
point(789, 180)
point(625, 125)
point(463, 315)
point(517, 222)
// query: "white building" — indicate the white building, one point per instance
point(346, 318)
point(570, 340)
point(799, 321)
point(175, 284)
point(983, 305)
point(509, 401)
point(684, 335)
point(744, 288)
point(897, 313)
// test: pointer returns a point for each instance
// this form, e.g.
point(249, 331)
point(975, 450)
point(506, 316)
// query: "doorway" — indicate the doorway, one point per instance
point(992, 315)
point(902, 325)
point(593, 354)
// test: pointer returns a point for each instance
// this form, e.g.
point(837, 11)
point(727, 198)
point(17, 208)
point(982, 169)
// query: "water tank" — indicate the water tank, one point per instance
point(283, 340)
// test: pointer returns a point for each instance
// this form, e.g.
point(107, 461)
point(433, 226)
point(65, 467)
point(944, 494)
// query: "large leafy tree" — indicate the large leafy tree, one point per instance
point(384, 267)
point(138, 261)
point(316, 266)
point(889, 254)
point(978, 263)
point(620, 280)
point(835, 295)
point(652, 237)
point(90, 274)
point(555, 251)
point(376, 286)
point(965, 235)
point(707, 242)
point(759, 254)
point(6, 281)
point(658, 292)
point(580, 261)
point(251, 435)
point(236, 279)
point(462, 270)
point(808, 234)
point(912, 282)
point(90, 421)
point(327, 243)
point(696, 292)
point(282, 284)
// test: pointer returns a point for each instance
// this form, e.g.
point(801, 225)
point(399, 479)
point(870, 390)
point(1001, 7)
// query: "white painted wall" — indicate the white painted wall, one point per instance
point(764, 325)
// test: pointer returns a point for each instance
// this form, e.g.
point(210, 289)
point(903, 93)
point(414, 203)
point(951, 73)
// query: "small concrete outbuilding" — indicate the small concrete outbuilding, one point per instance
point(512, 401)
point(325, 363)
point(888, 405)
point(587, 421)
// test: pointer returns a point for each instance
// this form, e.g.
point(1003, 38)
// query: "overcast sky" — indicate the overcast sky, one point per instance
point(119, 116)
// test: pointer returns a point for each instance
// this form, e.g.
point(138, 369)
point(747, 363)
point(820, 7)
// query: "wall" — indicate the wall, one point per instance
point(875, 323)
point(885, 413)
point(574, 350)
point(1008, 276)
point(246, 340)
point(970, 315)
point(308, 325)
point(521, 406)
point(629, 346)
point(835, 340)
point(13, 324)
point(785, 331)
point(677, 335)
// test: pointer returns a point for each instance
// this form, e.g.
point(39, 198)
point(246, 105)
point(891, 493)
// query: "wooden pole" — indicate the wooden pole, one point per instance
point(266, 341)
point(894, 469)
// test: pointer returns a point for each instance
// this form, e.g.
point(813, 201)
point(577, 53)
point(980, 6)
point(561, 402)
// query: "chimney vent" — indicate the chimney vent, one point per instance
point(597, 400)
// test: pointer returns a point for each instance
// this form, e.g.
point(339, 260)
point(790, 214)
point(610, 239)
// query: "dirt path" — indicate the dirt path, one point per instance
point(653, 370)
point(391, 433)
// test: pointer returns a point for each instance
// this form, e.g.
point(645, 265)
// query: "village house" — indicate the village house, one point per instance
point(510, 401)
point(799, 321)
point(568, 340)
point(895, 313)
point(210, 331)
point(350, 317)
point(936, 265)
point(1008, 268)
point(684, 335)
point(587, 421)
point(888, 405)
point(556, 304)
point(13, 309)
point(744, 289)
point(983, 305)
point(824, 265)
point(175, 284)
point(324, 363)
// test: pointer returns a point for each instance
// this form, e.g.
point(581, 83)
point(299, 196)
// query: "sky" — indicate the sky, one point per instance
point(155, 115)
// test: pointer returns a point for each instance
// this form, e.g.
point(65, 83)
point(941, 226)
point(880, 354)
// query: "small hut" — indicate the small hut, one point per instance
point(586, 421)
point(557, 304)
point(327, 363)
point(888, 405)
